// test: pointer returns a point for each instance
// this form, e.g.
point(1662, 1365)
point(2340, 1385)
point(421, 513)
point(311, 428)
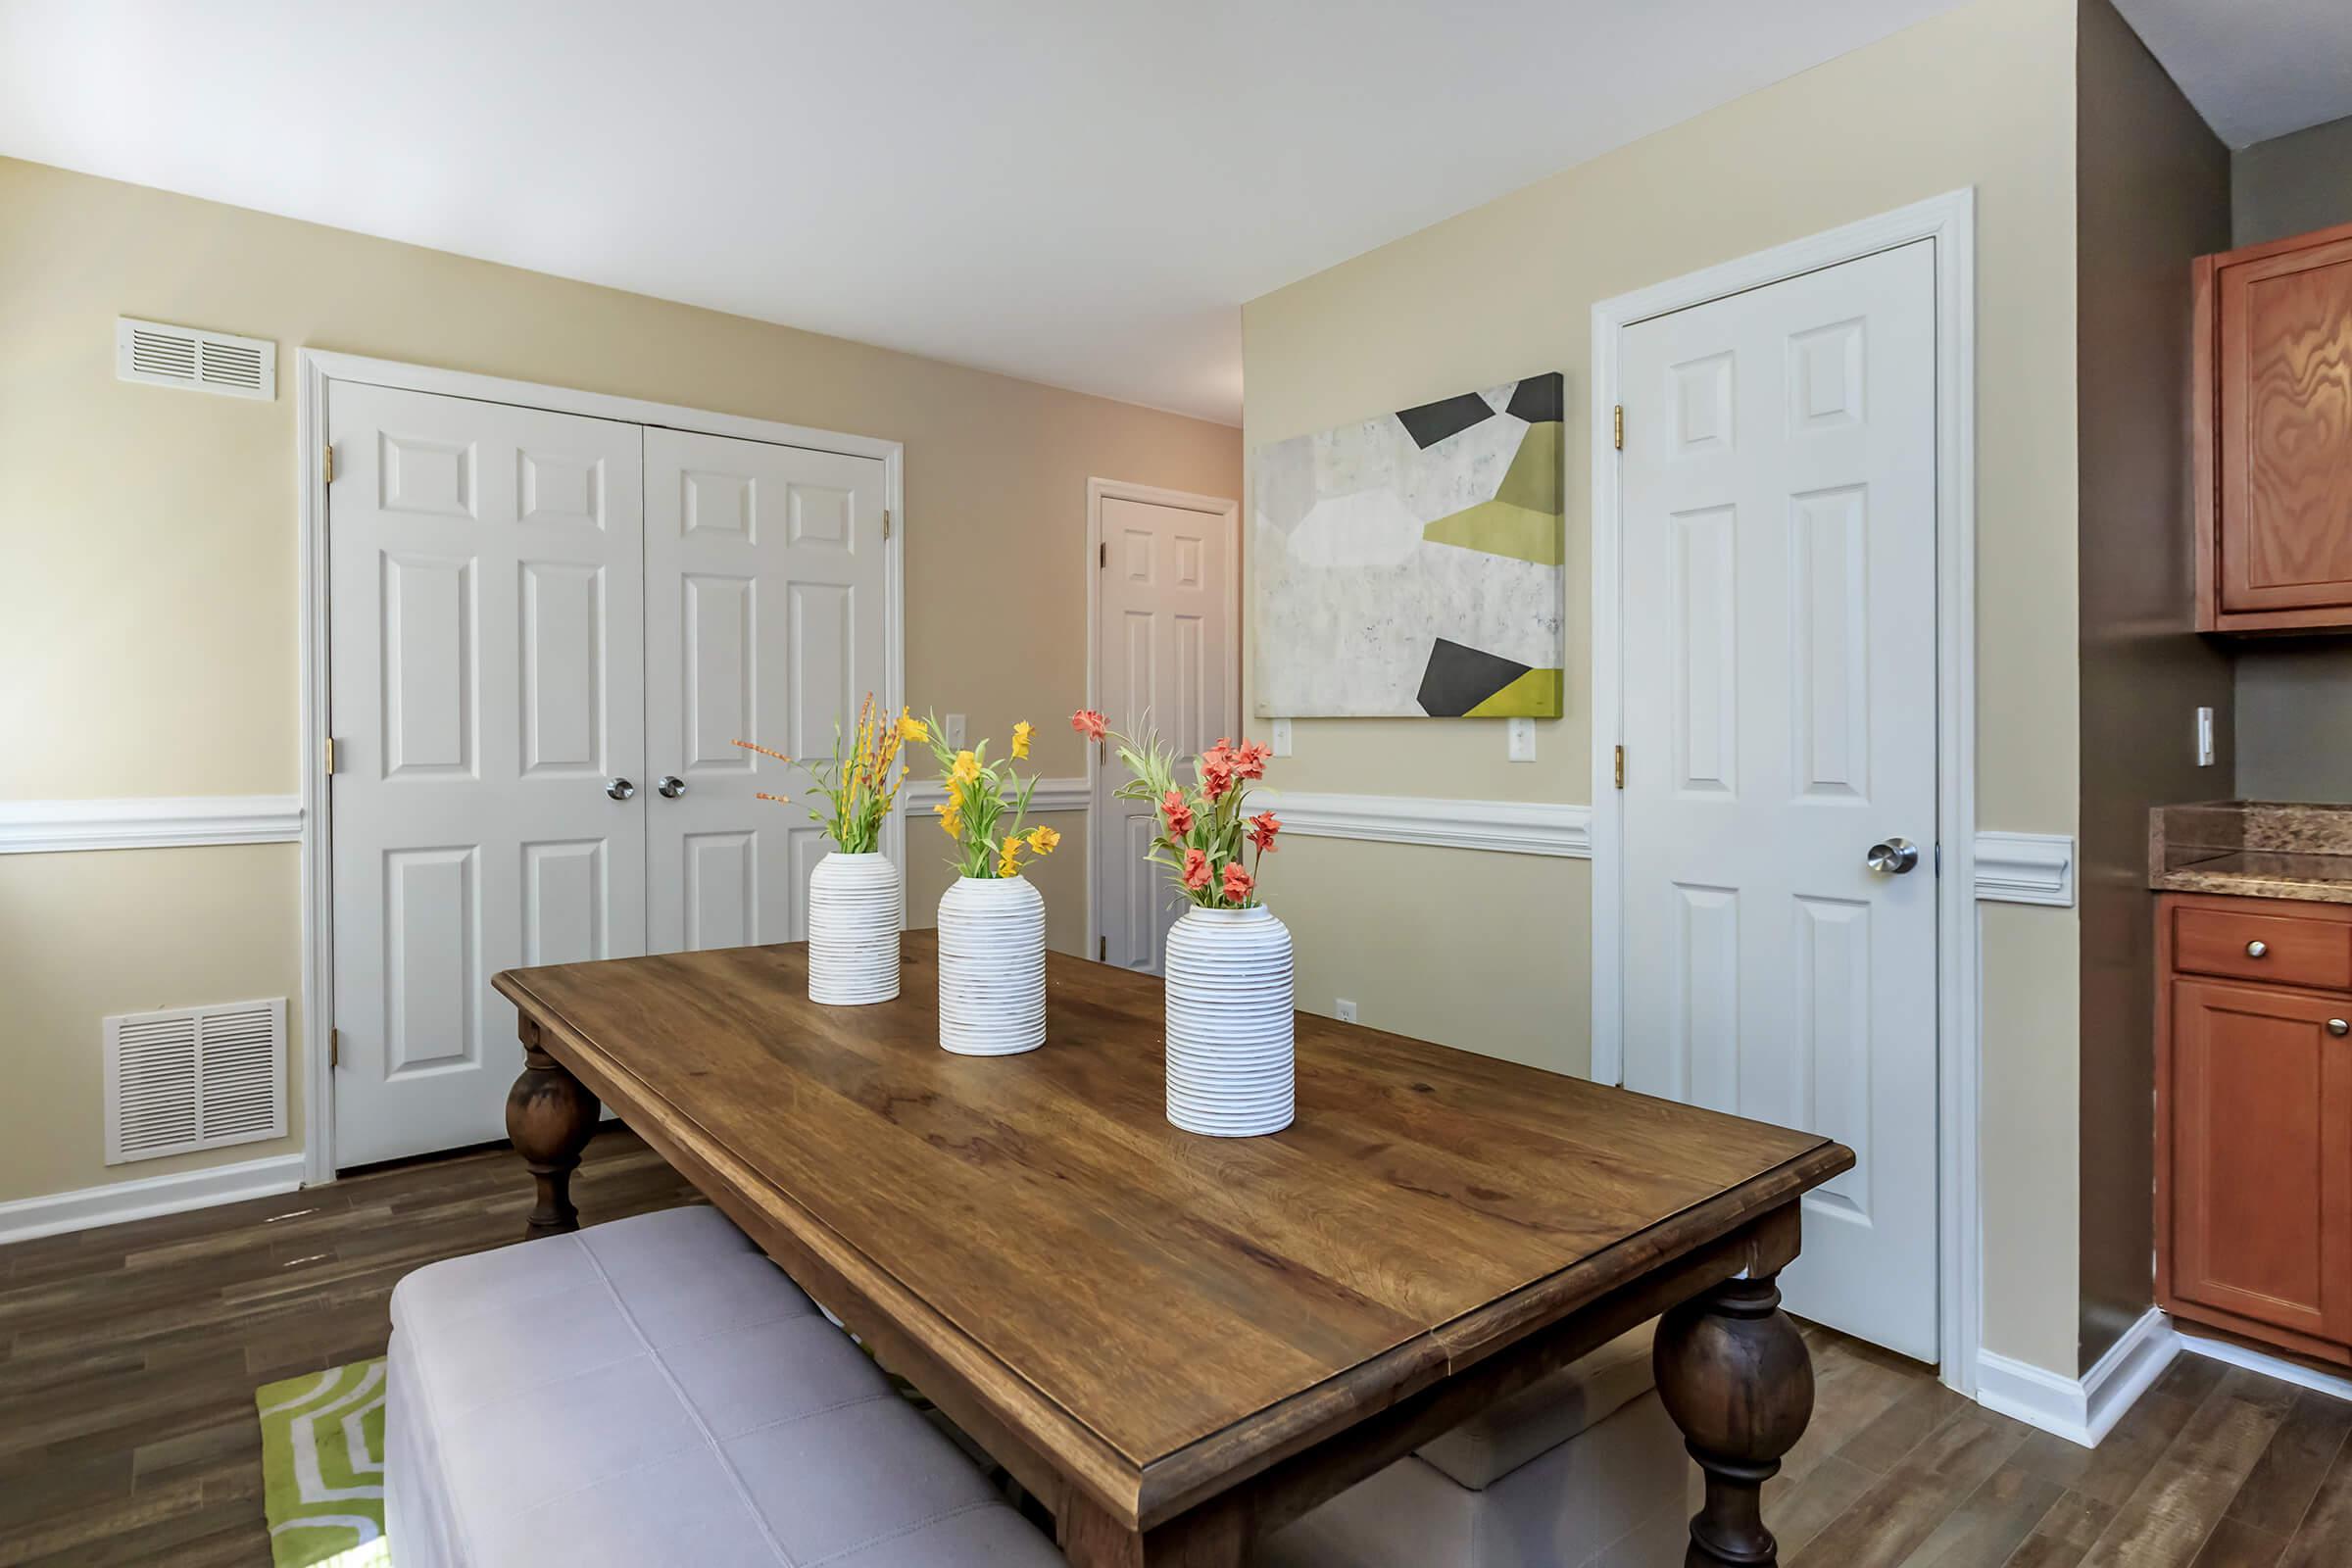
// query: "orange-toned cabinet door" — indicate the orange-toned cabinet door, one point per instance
point(2261, 1109)
point(2285, 432)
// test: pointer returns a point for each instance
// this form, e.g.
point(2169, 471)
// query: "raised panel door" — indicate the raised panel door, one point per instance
point(1169, 662)
point(765, 621)
point(1779, 593)
point(2273, 435)
point(2259, 1105)
point(486, 658)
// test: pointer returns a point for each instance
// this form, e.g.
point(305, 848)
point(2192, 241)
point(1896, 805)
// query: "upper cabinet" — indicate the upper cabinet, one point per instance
point(2273, 435)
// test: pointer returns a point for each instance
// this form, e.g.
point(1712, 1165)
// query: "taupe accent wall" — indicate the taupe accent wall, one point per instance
point(1492, 952)
point(2152, 190)
point(149, 603)
point(2294, 694)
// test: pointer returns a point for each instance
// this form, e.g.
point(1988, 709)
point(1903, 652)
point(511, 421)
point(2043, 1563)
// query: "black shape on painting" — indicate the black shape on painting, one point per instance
point(1458, 679)
point(1433, 422)
point(1539, 399)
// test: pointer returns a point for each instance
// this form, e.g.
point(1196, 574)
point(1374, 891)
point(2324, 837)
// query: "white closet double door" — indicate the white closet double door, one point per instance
point(546, 632)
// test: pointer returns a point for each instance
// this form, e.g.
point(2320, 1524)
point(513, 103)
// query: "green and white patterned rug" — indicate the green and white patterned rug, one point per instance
point(322, 1467)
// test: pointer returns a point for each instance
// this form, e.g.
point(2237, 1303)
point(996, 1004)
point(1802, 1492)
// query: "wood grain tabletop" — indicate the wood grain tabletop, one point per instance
point(1135, 1300)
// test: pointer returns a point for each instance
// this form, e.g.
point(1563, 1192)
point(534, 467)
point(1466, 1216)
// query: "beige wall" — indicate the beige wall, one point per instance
point(2294, 694)
point(148, 603)
point(1983, 96)
point(2154, 187)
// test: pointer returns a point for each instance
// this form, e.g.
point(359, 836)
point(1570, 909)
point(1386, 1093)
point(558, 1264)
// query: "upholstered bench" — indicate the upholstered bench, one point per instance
point(1581, 1469)
point(655, 1392)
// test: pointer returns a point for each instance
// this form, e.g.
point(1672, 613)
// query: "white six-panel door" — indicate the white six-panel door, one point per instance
point(764, 621)
point(487, 670)
point(1167, 659)
point(1779, 592)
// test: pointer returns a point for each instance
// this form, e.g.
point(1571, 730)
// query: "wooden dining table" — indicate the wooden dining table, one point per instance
point(1180, 1342)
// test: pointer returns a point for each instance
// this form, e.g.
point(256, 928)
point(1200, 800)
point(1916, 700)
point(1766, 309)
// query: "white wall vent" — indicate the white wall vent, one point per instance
point(195, 1078)
point(202, 361)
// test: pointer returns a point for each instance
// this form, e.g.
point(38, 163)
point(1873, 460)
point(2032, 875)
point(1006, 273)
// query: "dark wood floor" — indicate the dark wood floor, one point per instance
point(128, 1357)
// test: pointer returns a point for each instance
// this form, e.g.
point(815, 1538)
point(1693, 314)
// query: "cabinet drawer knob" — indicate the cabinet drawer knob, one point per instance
point(2256, 949)
point(2338, 1028)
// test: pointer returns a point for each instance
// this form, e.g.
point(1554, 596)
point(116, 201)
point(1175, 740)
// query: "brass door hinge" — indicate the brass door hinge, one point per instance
point(330, 753)
point(1621, 767)
point(1103, 554)
point(334, 1047)
point(1102, 949)
point(885, 522)
point(1620, 426)
point(329, 464)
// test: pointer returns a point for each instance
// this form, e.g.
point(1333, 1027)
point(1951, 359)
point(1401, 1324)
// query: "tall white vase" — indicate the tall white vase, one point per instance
point(1233, 1068)
point(992, 966)
point(854, 906)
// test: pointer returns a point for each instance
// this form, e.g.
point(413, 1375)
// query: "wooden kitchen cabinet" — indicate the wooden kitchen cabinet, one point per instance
point(2273, 437)
point(2254, 1121)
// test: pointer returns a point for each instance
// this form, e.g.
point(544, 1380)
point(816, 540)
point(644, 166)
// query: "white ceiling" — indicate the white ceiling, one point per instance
point(1080, 192)
point(2255, 69)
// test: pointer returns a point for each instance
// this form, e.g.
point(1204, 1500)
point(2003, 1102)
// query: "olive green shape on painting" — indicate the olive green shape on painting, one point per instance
point(1534, 695)
point(1525, 519)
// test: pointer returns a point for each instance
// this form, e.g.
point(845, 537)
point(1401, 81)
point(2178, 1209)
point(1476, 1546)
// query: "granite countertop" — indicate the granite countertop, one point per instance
point(2253, 848)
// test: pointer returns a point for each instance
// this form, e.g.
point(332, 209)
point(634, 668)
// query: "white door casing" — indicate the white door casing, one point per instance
point(487, 661)
point(1780, 715)
point(1166, 655)
point(765, 573)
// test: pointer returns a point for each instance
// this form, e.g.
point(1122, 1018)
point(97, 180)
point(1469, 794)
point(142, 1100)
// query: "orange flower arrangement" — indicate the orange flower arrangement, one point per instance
point(859, 791)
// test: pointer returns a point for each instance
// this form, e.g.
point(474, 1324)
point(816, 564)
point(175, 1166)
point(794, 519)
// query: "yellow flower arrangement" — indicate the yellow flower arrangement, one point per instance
point(859, 791)
point(975, 811)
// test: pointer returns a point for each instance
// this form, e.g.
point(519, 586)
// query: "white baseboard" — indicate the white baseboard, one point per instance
point(2080, 1410)
point(2270, 1366)
point(146, 1197)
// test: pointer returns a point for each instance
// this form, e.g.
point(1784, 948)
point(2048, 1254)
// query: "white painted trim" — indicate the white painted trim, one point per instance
point(2026, 868)
point(150, 822)
point(1097, 492)
point(2270, 1366)
point(317, 369)
point(1050, 795)
point(147, 1197)
point(1948, 220)
point(1513, 827)
point(2084, 1410)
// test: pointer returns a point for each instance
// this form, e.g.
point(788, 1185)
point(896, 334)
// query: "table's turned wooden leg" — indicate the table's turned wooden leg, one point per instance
point(550, 1115)
point(1735, 1375)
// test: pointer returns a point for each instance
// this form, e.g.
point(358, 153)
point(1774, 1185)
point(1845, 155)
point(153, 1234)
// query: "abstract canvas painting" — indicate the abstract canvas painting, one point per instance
point(1412, 566)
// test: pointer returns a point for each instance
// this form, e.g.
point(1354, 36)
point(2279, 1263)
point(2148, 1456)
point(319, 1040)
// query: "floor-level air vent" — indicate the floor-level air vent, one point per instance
point(202, 361)
point(195, 1078)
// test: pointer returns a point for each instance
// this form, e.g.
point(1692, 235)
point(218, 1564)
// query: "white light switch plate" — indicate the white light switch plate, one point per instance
point(1522, 739)
point(955, 729)
point(1282, 737)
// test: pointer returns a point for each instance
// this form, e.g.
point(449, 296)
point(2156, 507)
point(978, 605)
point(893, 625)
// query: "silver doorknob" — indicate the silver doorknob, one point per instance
point(2338, 1028)
point(2256, 950)
point(670, 786)
point(1892, 857)
point(620, 789)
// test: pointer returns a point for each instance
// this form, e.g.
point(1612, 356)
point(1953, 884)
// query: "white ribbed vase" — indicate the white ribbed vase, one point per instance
point(992, 966)
point(853, 930)
point(1233, 1068)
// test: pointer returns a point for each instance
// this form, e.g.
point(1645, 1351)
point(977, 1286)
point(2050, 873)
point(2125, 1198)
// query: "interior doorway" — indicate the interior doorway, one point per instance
point(1163, 652)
